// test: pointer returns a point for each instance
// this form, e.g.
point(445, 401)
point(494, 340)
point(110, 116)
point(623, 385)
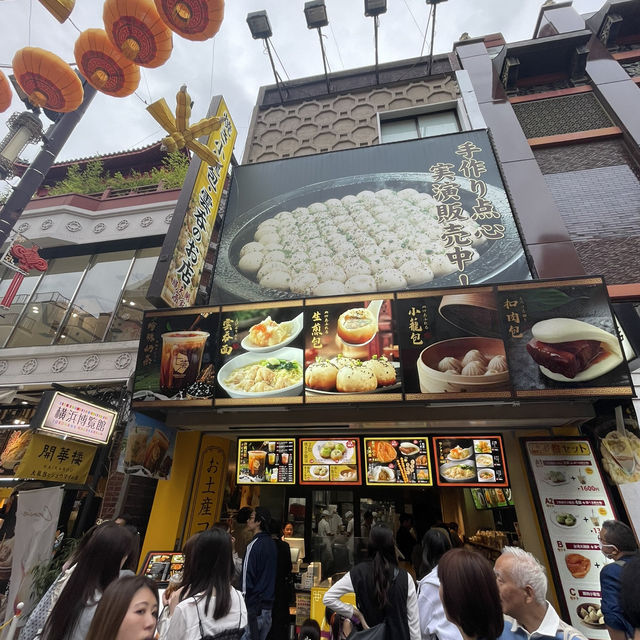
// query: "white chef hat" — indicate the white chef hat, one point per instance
point(348, 514)
point(325, 512)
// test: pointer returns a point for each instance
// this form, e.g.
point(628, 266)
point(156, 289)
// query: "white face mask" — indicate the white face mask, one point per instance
point(608, 550)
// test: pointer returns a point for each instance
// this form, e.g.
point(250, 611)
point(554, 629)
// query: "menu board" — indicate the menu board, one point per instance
point(330, 461)
point(491, 498)
point(349, 351)
point(572, 502)
point(259, 354)
point(266, 461)
point(175, 358)
point(470, 461)
point(396, 461)
point(162, 565)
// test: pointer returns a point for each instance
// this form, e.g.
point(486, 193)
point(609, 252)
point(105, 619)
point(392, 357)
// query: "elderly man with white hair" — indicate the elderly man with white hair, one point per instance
point(522, 584)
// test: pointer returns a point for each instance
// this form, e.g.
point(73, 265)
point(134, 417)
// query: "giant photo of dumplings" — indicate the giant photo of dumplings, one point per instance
point(359, 234)
point(569, 350)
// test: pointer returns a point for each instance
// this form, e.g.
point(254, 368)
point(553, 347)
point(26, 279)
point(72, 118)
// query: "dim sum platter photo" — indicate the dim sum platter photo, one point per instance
point(368, 233)
point(268, 335)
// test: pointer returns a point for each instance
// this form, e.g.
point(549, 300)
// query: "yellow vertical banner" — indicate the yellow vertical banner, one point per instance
point(56, 460)
point(208, 486)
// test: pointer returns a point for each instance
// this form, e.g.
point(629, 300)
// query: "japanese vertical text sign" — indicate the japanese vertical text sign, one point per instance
point(56, 460)
point(208, 486)
point(177, 276)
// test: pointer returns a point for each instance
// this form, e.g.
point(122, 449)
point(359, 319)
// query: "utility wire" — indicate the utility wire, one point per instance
point(336, 43)
point(30, 12)
point(413, 17)
point(280, 61)
point(424, 40)
point(213, 54)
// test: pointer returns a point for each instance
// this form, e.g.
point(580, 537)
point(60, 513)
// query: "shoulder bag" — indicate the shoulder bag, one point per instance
point(378, 631)
point(234, 633)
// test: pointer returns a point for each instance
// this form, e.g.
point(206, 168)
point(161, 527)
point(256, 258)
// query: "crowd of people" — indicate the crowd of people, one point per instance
point(236, 585)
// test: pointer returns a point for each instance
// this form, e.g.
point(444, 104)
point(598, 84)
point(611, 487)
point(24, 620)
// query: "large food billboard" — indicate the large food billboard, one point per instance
point(407, 215)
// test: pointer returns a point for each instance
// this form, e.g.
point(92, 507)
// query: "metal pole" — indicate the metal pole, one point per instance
point(324, 61)
point(273, 67)
point(375, 37)
point(433, 36)
point(55, 138)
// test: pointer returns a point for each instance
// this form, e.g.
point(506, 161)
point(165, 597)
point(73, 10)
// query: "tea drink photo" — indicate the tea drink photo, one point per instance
point(257, 463)
point(181, 359)
point(156, 450)
point(136, 445)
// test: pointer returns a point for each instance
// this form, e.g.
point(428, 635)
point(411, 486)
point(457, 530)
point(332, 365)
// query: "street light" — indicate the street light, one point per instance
point(24, 128)
point(260, 28)
point(372, 9)
point(434, 4)
point(315, 13)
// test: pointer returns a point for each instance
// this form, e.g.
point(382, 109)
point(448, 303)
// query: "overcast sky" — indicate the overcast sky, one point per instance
point(235, 65)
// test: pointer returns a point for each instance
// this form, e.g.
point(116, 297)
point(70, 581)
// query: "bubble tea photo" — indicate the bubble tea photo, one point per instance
point(181, 359)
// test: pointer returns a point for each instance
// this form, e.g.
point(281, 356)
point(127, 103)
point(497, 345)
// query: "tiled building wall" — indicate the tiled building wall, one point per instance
point(342, 121)
point(599, 199)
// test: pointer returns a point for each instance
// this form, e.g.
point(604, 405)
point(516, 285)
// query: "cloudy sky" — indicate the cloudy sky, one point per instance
point(235, 65)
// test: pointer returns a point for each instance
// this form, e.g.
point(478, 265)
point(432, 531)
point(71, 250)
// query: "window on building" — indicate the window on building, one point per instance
point(417, 126)
point(9, 317)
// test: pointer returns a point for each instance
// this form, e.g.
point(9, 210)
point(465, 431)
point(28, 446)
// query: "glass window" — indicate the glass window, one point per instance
point(9, 317)
point(128, 319)
point(49, 303)
point(422, 126)
point(96, 299)
point(396, 130)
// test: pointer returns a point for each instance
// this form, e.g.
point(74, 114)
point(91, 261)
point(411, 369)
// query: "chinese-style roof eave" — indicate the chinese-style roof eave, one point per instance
point(625, 15)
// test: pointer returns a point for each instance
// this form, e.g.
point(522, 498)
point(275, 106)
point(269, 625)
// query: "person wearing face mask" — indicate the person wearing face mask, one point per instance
point(617, 543)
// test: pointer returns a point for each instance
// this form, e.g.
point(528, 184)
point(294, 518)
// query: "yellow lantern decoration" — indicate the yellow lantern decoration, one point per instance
point(192, 19)
point(47, 80)
point(135, 28)
point(104, 67)
point(5, 93)
point(59, 9)
point(182, 135)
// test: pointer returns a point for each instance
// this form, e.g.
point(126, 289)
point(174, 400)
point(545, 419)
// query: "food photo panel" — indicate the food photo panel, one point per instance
point(330, 461)
point(562, 340)
point(351, 354)
point(175, 364)
point(470, 461)
point(451, 346)
point(266, 461)
point(260, 354)
point(395, 461)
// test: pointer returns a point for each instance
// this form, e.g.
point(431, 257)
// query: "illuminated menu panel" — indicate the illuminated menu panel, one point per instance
point(396, 461)
point(162, 565)
point(266, 461)
point(330, 461)
point(470, 461)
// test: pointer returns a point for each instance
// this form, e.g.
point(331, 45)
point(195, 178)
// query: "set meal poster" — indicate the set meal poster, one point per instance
point(175, 358)
point(266, 461)
point(351, 354)
point(406, 215)
point(330, 461)
point(259, 356)
point(397, 461)
point(572, 503)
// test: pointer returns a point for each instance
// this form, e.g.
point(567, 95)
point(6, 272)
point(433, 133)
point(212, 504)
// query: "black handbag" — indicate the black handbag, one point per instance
point(234, 633)
point(377, 632)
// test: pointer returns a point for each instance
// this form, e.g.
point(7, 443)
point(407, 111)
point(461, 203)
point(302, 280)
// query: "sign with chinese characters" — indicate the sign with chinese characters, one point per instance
point(55, 460)
point(260, 354)
point(561, 340)
point(470, 461)
point(175, 358)
point(209, 484)
point(266, 461)
point(177, 276)
point(330, 461)
point(11, 261)
point(572, 503)
point(409, 215)
point(147, 448)
point(397, 461)
point(67, 415)
point(350, 353)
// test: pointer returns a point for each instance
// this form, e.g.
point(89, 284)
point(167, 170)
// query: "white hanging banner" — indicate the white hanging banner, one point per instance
point(36, 523)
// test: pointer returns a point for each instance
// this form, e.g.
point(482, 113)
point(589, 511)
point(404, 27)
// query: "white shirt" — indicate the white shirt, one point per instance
point(551, 624)
point(344, 585)
point(183, 624)
point(433, 621)
point(324, 528)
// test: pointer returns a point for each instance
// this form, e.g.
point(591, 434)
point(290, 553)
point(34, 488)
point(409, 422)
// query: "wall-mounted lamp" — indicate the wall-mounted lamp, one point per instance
point(373, 9)
point(24, 128)
point(315, 13)
point(260, 28)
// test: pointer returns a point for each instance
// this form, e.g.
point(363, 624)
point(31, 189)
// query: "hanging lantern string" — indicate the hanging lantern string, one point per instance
point(75, 25)
point(137, 95)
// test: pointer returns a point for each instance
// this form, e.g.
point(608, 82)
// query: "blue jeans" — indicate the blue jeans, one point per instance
point(258, 626)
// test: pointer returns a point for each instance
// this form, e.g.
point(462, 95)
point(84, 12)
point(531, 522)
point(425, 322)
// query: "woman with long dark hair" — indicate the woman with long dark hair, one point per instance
point(206, 603)
point(470, 595)
point(433, 622)
point(128, 610)
point(384, 592)
point(97, 566)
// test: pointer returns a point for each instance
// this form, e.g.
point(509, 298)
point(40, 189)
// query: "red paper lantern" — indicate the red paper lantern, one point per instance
point(104, 67)
point(135, 28)
point(192, 19)
point(47, 79)
point(6, 94)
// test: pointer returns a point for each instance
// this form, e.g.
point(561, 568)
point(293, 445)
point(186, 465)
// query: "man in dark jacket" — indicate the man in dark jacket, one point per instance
point(259, 575)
